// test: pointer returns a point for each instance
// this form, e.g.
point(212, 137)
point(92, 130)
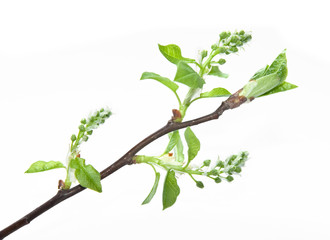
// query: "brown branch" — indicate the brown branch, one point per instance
point(232, 102)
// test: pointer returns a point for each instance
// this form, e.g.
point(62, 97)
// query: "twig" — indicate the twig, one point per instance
point(232, 102)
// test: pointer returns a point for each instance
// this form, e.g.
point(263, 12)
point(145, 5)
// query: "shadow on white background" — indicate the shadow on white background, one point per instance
point(61, 60)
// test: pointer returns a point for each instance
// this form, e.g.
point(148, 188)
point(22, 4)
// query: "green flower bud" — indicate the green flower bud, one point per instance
point(222, 49)
point(90, 132)
point(234, 39)
point(233, 49)
point(214, 46)
point(239, 44)
point(221, 164)
point(82, 128)
point(97, 114)
point(229, 178)
point(222, 61)
point(214, 172)
point(83, 121)
point(241, 32)
point(199, 184)
point(85, 138)
point(247, 38)
point(73, 138)
point(223, 35)
point(203, 53)
point(217, 180)
point(102, 110)
point(238, 169)
point(207, 163)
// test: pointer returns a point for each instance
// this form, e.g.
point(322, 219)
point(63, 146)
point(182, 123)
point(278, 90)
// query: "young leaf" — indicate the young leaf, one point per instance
point(267, 78)
point(174, 138)
point(86, 175)
point(167, 82)
point(153, 190)
point(216, 72)
point(41, 166)
point(178, 150)
point(171, 189)
point(186, 75)
point(172, 53)
point(216, 92)
point(193, 144)
point(285, 86)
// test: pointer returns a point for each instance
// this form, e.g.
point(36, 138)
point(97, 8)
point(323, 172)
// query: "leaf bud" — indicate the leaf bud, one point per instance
point(90, 132)
point(214, 46)
point(229, 178)
point(217, 180)
point(83, 121)
point(207, 163)
point(199, 184)
point(82, 128)
point(73, 137)
point(222, 61)
point(203, 53)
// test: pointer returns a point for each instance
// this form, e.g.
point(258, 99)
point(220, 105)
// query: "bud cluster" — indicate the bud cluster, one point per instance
point(86, 127)
point(225, 169)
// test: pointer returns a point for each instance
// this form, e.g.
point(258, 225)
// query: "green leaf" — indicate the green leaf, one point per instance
point(167, 82)
point(267, 78)
point(86, 175)
point(174, 138)
point(178, 150)
point(186, 75)
point(285, 86)
point(171, 189)
point(41, 166)
point(216, 92)
point(216, 72)
point(193, 144)
point(153, 190)
point(172, 53)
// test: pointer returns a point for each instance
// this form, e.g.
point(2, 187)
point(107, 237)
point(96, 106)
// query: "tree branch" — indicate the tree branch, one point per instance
point(127, 159)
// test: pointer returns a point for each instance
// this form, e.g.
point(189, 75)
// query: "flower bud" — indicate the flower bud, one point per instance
point(214, 46)
point(73, 137)
point(229, 178)
point(102, 110)
point(234, 39)
point(203, 53)
point(233, 49)
point(214, 172)
point(223, 35)
point(199, 184)
point(83, 121)
point(222, 61)
point(238, 169)
point(207, 163)
point(90, 132)
point(217, 180)
point(85, 138)
point(221, 164)
point(82, 128)
point(222, 49)
point(241, 32)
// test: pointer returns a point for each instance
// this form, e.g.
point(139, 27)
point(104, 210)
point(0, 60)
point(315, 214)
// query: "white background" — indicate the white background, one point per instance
point(60, 60)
